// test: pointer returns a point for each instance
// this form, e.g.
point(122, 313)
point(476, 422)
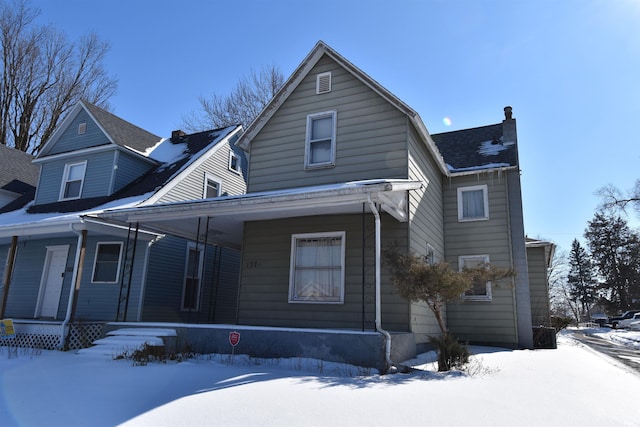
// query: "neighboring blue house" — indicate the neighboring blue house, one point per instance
point(18, 178)
point(60, 264)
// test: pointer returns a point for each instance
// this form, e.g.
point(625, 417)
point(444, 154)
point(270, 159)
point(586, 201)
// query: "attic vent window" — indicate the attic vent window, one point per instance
point(323, 83)
point(82, 128)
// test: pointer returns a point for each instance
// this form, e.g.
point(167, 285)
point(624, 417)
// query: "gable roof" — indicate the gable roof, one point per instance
point(118, 131)
point(321, 49)
point(18, 175)
point(475, 149)
point(177, 156)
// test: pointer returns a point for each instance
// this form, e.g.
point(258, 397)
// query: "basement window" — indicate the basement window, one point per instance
point(317, 268)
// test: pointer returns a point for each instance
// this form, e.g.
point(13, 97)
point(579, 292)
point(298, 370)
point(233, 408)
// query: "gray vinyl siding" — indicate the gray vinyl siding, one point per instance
point(481, 321)
point(371, 136)
point(97, 178)
point(538, 286)
point(425, 209)
point(191, 187)
point(264, 286)
point(129, 168)
point(27, 277)
point(165, 282)
point(71, 141)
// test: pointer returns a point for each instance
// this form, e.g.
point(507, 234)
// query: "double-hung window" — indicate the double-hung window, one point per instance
point(193, 274)
point(317, 268)
point(212, 186)
point(72, 180)
point(480, 291)
point(320, 147)
point(234, 163)
point(106, 267)
point(473, 203)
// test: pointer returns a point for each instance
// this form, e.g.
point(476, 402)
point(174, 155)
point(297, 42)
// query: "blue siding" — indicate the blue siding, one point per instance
point(129, 168)
point(97, 177)
point(71, 141)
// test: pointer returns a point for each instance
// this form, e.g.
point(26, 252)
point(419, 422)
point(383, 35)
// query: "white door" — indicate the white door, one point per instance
point(51, 284)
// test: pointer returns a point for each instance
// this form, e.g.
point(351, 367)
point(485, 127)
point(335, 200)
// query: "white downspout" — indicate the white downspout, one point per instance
point(387, 353)
point(71, 288)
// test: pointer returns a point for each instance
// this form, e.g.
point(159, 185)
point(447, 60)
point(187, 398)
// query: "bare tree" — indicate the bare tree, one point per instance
point(250, 95)
point(43, 75)
point(613, 198)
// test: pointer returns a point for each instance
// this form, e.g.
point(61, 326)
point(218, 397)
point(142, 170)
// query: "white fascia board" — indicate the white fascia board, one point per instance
point(40, 228)
point(93, 150)
point(193, 165)
point(272, 202)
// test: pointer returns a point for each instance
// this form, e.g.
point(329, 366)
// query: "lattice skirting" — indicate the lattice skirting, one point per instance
point(47, 336)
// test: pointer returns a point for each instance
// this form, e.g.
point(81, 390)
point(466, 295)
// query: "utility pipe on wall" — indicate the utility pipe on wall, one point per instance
point(74, 278)
point(376, 214)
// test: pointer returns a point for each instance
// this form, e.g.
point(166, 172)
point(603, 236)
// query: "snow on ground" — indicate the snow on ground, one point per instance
point(570, 386)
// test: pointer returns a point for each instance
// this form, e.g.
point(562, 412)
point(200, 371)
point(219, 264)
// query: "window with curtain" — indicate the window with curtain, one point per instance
point(317, 268)
point(106, 267)
point(473, 203)
point(320, 146)
point(481, 291)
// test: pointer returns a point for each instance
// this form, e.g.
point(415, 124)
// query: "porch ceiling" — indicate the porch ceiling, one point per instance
point(226, 215)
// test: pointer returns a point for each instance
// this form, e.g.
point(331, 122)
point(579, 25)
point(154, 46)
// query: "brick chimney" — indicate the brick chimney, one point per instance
point(176, 135)
point(509, 126)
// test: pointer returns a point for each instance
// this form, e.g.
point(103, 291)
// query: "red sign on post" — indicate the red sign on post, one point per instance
point(234, 338)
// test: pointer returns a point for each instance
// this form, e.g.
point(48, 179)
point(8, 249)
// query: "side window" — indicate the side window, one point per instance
point(479, 291)
point(212, 186)
point(193, 274)
point(234, 163)
point(317, 268)
point(320, 146)
point(430, 256)
point(473, 203)
point(72, 181)
point(106, 267)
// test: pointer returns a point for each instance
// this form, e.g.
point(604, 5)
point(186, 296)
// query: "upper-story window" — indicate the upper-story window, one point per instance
point(473, 203)
point(234, 163)
point(82, 128)
point(212, 186)
point(72, 180)
point(320, 147)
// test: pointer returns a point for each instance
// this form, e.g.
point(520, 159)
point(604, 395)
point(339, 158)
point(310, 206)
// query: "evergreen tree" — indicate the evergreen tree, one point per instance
point(581, 278)
point(615, 249)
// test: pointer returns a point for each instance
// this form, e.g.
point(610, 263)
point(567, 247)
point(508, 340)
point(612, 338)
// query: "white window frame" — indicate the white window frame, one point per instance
point(307, 146)
point(293, 298)
point(213, 178)
point(430, 257)
point(95, 263)
point(187, 274)
point(233, 156)
point(485, 197)
point(484, 259)
point(65, 180)
point(319, 79)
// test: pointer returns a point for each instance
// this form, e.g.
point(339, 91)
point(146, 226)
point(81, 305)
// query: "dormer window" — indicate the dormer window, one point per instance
point(72, 181)
point(234, 163)
point(82, 128)
point(320, 147)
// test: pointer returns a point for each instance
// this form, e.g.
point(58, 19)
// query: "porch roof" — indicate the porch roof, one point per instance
point(226, 215)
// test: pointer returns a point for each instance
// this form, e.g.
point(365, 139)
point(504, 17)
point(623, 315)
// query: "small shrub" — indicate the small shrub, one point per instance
point(560, 322)
point(451, 353)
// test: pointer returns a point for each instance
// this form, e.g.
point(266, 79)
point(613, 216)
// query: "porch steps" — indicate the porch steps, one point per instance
point(128, 340)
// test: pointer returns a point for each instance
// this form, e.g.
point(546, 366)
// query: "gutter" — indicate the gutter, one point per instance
point(74, 277)
point(387, 352)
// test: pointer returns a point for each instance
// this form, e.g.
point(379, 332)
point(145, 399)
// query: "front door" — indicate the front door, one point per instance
point(55, 264)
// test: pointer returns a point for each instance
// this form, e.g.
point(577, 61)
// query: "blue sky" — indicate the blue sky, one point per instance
point(569, 68)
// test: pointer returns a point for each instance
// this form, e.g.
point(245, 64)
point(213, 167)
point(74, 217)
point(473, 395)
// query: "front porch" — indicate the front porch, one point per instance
point(53, 335)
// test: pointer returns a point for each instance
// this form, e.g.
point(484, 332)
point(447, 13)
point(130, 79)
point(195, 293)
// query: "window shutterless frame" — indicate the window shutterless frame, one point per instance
point(72, 180)
point(317, 268)
point(107, 262)
point(234, 163)
point(473, 203)
point(212, 186)
point(192, 279)
point(320, 144)
point(475, 294)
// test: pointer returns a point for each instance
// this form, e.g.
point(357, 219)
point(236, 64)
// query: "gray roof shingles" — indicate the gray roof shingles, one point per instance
point(476, 149)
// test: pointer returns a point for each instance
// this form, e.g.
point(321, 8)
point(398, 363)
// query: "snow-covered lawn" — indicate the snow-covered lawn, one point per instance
point(570, 386)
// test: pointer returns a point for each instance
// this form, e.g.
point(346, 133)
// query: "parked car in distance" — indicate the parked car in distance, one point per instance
point(625, 323)
point(614, 321)
point(635, 326)
point(600, 319)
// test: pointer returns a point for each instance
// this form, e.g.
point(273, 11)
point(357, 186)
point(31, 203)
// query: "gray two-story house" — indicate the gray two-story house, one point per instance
point(339, 170)
point(61, 265)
